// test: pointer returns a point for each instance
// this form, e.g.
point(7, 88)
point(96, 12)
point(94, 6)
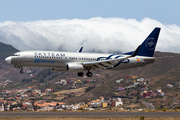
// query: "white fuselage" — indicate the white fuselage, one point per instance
point(59, 60)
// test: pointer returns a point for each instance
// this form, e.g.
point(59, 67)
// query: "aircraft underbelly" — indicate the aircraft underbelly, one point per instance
point(123, 66)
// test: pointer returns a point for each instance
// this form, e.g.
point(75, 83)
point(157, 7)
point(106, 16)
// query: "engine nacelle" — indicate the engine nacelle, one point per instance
point(74, 67)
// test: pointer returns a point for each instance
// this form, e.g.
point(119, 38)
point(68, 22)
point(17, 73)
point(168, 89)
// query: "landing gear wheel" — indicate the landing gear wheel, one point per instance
point(21, 71)
point(80, 74)
point(89, 74)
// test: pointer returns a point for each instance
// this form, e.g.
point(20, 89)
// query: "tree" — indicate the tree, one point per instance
point(127, 92)
point(35, 107)
point(20, 105)
point(11, 107)
point(138, 93)
point(57, 105)
point(41, 80)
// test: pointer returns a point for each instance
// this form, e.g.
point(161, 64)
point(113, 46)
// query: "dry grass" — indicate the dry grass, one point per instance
point(71, 90)
point(91, 118)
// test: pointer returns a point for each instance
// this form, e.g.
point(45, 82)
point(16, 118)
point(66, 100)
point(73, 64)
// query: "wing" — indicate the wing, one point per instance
point(107, 63)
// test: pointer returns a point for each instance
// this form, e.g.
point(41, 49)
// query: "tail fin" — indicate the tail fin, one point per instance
point(148, 46)
point(80, 50)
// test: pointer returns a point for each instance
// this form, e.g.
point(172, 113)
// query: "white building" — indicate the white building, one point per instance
point(2, 107)
point(118, 102)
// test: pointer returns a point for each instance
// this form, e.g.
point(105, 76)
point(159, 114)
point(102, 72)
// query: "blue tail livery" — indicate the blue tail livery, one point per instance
point(148, 46)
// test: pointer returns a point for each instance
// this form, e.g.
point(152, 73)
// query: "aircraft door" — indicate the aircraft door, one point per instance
point(28, 57)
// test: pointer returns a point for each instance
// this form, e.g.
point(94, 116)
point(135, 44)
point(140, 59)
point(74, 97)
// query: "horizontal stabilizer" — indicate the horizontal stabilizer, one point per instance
point(155, 58)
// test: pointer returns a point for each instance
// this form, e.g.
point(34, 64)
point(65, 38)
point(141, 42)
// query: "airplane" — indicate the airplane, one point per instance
point(79, 62)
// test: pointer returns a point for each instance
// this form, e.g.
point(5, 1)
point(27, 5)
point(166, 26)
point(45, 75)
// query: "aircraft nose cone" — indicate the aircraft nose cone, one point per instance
point(8, 60)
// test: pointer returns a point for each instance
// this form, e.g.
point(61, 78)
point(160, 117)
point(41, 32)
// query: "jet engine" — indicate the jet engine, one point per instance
point(74, 67)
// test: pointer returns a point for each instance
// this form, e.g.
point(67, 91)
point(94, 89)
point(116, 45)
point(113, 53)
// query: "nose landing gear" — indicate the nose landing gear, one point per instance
point(22, 71)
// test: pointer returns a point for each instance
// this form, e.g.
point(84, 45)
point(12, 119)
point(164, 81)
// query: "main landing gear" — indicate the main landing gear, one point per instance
point(89, 74)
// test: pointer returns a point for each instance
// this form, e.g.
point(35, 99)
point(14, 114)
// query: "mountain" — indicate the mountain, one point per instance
point(6, 50)
point(160, 73)
point(7, 71)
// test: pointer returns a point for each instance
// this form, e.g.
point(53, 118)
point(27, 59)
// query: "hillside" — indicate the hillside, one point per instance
point(6, 50)
point(7, 71)
point(161, 72)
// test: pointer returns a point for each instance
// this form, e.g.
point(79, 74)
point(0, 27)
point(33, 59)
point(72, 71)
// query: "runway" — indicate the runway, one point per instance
point(88, 114)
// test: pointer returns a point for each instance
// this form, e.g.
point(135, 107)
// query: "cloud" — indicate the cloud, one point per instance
point(95, 34)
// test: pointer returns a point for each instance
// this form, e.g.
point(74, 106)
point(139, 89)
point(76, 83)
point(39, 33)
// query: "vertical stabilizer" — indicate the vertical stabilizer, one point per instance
point(148, 46)
point(80, 50)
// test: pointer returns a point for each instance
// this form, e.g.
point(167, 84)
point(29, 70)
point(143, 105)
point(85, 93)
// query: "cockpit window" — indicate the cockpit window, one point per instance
point(15, 55)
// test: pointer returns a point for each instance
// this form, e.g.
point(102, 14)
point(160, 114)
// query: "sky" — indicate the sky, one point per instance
point(97, 25)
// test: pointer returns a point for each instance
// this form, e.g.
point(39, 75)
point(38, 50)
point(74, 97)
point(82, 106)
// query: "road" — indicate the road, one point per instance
point(174, 100)
point(88, 114)
point(150, 106)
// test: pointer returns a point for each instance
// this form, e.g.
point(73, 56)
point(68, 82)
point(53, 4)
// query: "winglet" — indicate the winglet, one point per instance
point(80, 50)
